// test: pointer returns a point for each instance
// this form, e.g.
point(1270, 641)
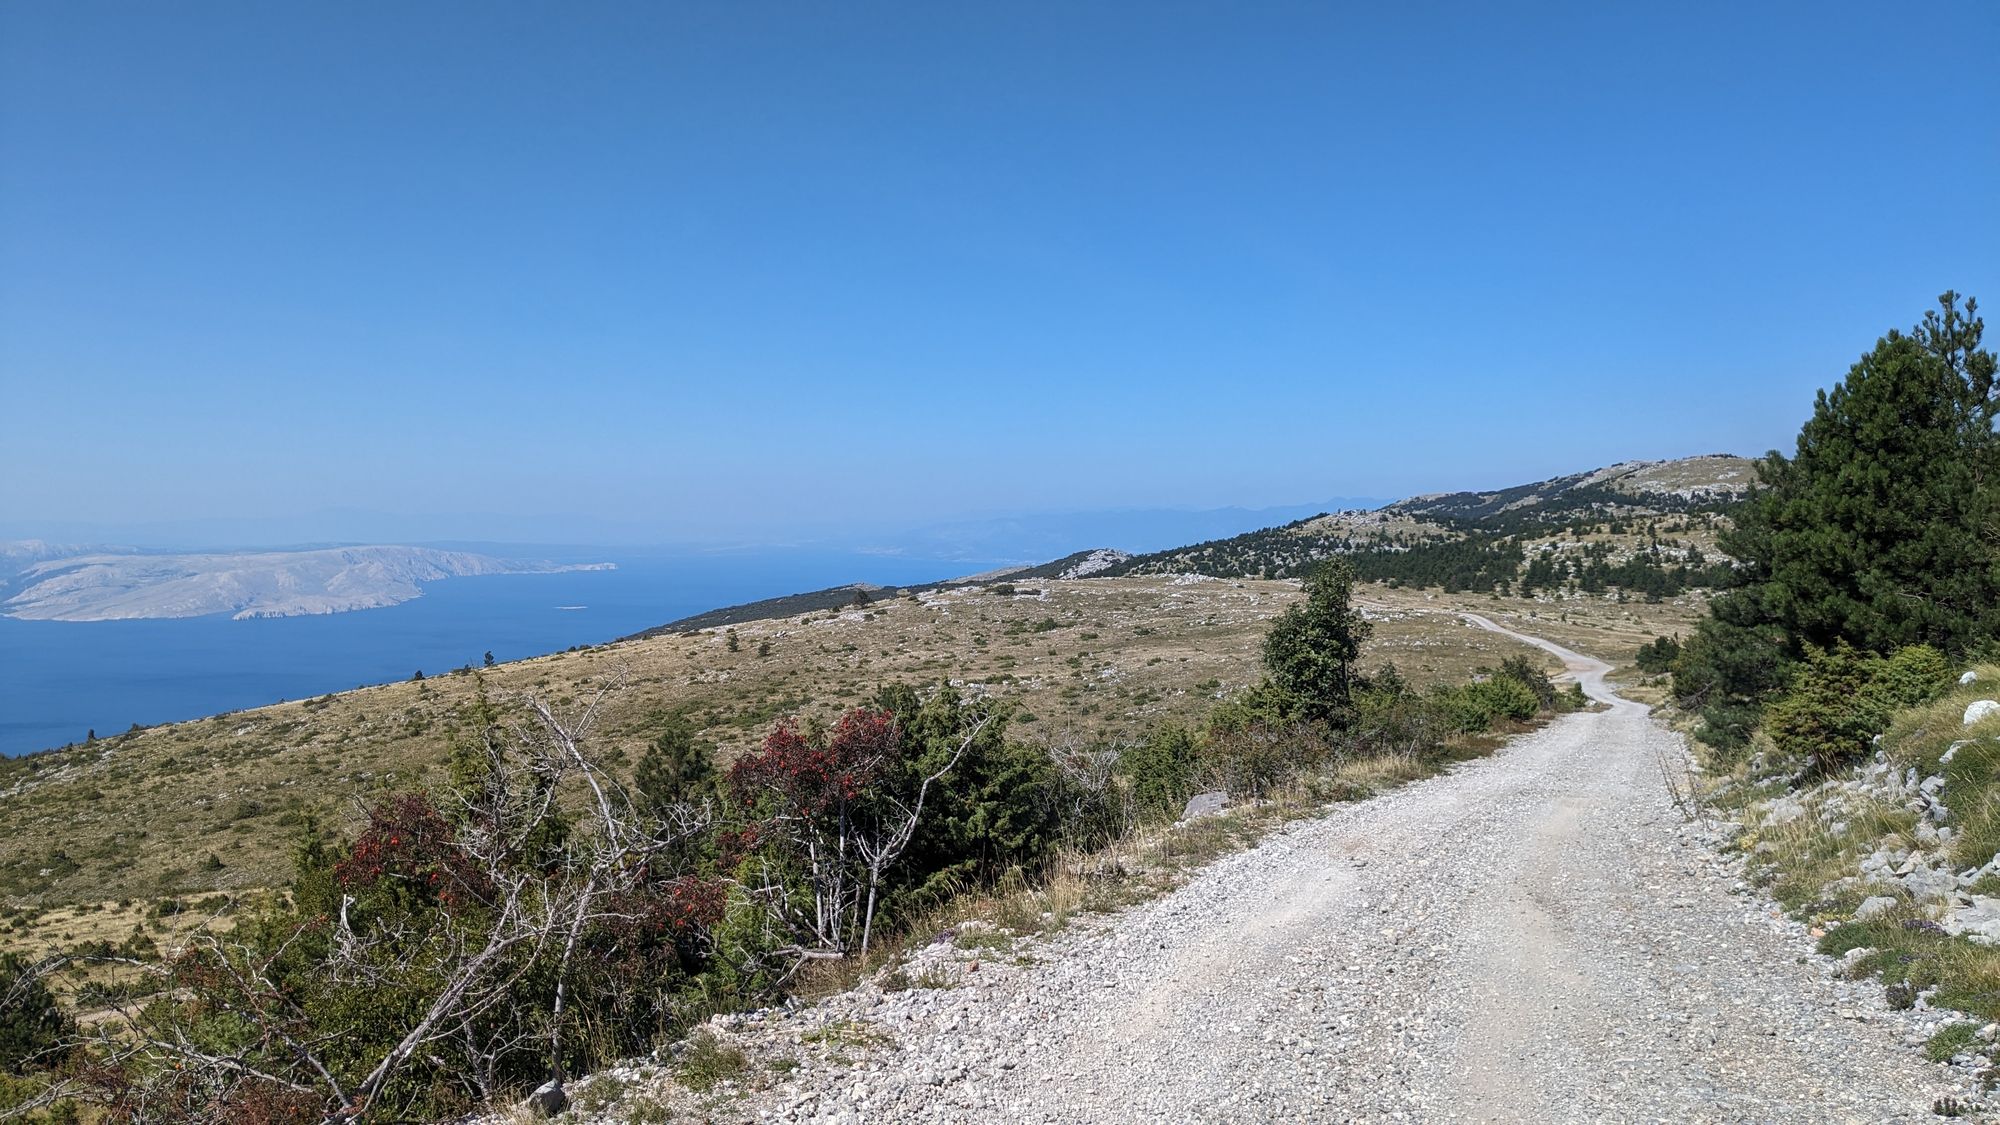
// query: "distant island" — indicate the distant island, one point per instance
point(107, 584)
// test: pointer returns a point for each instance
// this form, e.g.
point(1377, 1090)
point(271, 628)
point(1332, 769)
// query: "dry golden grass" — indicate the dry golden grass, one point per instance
point(1602, 627)
point(215, 804)
point(123, 929)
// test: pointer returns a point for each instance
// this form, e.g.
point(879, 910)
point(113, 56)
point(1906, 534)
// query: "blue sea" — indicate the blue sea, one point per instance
point(62, 679)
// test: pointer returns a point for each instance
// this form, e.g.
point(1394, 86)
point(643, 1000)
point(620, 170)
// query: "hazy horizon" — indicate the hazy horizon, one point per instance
point(1167, 525)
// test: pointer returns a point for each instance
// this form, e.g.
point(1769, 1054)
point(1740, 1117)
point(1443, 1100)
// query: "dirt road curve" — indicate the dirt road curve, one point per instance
point(1535, 937)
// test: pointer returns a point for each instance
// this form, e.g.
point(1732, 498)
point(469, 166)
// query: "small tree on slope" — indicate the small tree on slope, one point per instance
point(1311, 649)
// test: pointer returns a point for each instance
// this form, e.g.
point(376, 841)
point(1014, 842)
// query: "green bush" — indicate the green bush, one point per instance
point(1840, 699)
point(1473, 708)
point(1911, 677)
point(1260, 705)
point(1391, 719)
point(1463, 711)
point(32, 1025)
point(1658, 656)
point(1828, 714)
point(1257, 759)
point(1733, 664)
point(1572, 699)
point(1310, 651)
point(996, 810)
point(1505, 697)
point(1161, 769)
point(1532, 676)
point(677, 767)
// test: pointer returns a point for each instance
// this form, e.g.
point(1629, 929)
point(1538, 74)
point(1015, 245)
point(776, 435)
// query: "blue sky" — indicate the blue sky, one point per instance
point(741, 269)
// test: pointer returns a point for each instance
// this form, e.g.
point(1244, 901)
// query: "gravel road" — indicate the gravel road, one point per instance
point(1538, 936)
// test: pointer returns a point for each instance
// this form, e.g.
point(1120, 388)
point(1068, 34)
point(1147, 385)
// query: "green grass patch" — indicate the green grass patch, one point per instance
point(1805, 855)
point(1919, 736)
point(983, 938)
point(599, 1093)
point(842, 1034)
point(935, 977)
point(1972, 793)
point(707, 1062)
point(1951, 1039)
point(1908, 950)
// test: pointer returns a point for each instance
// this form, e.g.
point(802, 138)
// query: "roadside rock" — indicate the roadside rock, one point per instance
point(1872, 906)
point(548, 1100)
point(1205, 804)
point(1977, 917)
point(1784, 810)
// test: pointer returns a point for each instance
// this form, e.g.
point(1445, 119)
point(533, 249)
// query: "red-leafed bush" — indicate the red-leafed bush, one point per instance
point(528, 919)
point(797, 774)
point(832, 814)
point(693, 904)
point(673, 910)
point(410, 844)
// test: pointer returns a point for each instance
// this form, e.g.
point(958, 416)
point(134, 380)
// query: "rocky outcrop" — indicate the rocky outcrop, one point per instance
point(1893, 873)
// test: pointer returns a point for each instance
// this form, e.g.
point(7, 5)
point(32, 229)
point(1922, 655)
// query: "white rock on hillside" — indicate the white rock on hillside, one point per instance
point(1968, 678)
point(1980, 709)
point(1104, 558)
point(1872, 906)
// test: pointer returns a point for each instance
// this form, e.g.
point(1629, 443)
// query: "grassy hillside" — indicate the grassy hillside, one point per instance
point(215, 804)
point(156, 841)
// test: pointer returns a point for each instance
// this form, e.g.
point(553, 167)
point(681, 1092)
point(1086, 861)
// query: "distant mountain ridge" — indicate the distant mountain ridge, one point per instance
point(1654, 487)
point(1450, 529)
point(1464, 538)
point(108, 585)
point(1048, 535)
point(860, 595)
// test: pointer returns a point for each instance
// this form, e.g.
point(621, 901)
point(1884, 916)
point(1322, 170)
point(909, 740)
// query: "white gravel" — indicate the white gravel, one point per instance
point(1538, 936)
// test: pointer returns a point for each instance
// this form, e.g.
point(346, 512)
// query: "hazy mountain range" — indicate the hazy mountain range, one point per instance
point(53, 584)
point(40, 580)
point(1022, 537)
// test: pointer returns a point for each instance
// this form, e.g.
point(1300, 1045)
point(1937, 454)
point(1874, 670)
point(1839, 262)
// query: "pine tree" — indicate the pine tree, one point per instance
point(1311, 648)
point(677, 768)
point(1875, 533)
point(32, 1024)
point(1870, 532)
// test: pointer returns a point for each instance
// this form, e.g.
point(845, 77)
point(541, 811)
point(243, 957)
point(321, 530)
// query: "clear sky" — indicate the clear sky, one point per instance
point(738, 268)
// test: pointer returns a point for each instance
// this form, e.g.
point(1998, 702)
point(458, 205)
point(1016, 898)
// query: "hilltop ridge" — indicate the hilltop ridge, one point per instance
point(1632, 517)
point(1698, 490)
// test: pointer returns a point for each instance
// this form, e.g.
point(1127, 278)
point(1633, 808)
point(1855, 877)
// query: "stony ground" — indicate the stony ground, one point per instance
point(1539, 936)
